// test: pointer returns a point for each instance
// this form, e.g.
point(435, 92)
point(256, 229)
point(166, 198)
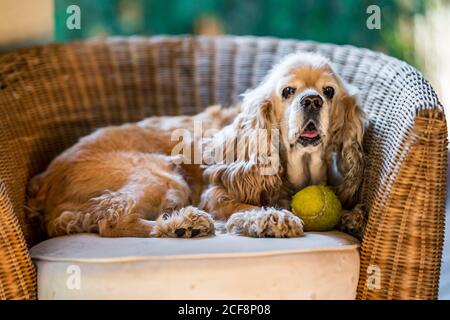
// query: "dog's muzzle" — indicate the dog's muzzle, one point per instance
point(310, 104)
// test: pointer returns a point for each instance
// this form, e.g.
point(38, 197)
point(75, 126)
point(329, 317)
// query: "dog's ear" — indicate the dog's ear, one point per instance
point(258, 129)
point(346, 137)
point(252, 175)
point(258, 108)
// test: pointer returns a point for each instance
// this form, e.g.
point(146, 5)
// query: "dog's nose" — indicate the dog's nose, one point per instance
point(312, 102)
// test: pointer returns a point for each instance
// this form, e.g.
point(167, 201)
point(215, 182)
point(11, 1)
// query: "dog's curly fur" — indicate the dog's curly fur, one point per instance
point(123, 180)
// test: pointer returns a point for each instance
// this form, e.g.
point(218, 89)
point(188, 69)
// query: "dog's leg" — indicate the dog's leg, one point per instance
point(122, 221)
point(115, 216)
point(129, 225)
point(250, 220)
point(110, 214)
point(216, 201)
point(187, 222)
point(265, 222)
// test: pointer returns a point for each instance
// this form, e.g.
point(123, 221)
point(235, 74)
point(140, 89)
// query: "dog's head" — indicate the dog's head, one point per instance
point(313, 109)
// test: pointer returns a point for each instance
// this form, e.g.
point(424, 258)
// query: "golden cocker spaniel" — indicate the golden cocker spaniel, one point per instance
point(302, 125)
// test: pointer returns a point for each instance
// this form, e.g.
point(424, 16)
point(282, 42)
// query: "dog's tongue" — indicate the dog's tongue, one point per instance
point(309, 134)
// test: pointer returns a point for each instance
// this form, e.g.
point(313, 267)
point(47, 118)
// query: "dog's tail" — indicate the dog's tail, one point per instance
point(34, 206)
point(36, 193)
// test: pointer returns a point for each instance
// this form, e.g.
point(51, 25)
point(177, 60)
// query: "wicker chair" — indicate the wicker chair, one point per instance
point(51, 95)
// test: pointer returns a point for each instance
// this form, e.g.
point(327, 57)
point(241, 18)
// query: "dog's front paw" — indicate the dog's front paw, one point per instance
point(353, 221)
point(266, 222)
point(188, 222)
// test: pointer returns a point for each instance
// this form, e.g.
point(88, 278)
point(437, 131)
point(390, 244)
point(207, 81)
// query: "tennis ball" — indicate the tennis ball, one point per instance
point(318, 207)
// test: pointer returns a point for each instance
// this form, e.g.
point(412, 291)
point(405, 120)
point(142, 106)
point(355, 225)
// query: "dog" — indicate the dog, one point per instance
point(127, 181)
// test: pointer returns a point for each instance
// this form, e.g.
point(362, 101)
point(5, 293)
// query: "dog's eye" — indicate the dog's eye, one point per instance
point(328, 92)
point(287, 92)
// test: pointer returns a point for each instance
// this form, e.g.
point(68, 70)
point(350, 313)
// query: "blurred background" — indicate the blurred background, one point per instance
point(412, 30)
point(326, 20)
point(416, 31)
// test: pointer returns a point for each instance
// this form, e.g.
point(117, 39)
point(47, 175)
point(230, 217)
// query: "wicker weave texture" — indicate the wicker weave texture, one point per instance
point(51, 95)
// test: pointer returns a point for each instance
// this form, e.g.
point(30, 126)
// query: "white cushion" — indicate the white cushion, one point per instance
point(85, 266)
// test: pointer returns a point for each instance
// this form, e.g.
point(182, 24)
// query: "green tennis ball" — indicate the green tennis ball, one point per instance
point(318, 207)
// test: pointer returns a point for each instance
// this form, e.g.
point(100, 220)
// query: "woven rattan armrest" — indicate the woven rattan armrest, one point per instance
point(405, 199)
point(402, 245)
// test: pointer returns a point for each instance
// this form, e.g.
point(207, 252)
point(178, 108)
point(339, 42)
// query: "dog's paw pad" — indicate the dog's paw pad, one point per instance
point(266, 222)
point(188, 222)
point(180, 232)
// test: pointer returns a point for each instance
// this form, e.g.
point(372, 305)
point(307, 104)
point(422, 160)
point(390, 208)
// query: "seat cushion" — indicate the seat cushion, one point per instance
point(319, 265)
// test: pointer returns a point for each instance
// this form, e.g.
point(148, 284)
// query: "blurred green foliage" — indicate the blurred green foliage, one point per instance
point(336, 21)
